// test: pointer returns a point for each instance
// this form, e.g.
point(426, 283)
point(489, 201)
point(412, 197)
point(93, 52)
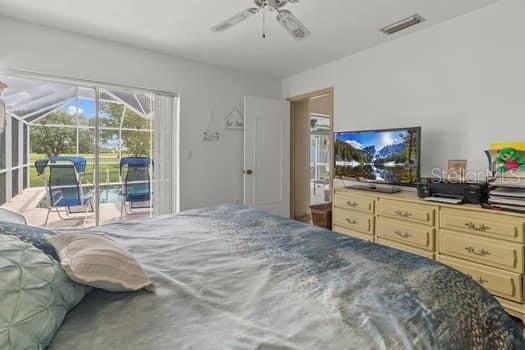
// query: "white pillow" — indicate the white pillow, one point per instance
point(99, 262)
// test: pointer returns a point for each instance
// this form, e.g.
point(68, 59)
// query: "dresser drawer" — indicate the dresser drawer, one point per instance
point(513, 308)
point(354, 220)
point(415, 235)
point(484, 224)
point(354, 202)
point(405, 248)
point(486, 251)
point(353, 233)
point(498, 282)
point(423, 214)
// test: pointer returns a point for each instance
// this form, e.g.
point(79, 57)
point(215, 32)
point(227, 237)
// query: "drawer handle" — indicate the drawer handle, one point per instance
point(473, 226)
point(352, 204)
point(473, 250)
point(403, 214)
point(403, 234)
point(481, 280)
point(352, 221)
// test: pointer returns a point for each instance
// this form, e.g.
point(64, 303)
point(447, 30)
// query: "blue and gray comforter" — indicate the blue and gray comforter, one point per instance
point(238, 278)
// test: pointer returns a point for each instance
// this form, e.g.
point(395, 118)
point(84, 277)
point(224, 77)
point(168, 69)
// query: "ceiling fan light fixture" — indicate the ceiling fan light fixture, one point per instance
point(293, 25)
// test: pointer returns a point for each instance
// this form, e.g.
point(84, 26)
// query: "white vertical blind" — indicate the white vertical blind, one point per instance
point(8, 158)
point(164, 155)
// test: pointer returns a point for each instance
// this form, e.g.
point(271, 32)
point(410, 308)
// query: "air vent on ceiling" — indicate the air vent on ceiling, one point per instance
point(403, 24)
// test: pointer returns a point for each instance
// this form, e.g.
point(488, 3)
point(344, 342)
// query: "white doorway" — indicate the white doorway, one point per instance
point(311, 152)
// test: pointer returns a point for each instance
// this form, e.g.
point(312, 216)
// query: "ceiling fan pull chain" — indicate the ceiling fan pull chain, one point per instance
point(264, 20)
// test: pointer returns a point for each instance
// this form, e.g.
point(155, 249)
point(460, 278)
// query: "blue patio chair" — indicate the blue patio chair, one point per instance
point(64, 189)
point(136, 184)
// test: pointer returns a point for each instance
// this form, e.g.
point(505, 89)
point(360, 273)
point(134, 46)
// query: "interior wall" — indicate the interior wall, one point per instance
point(210, 173)
point(301, 158)
point(461, 80)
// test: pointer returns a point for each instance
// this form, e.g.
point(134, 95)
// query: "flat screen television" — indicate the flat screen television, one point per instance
point(379, 156)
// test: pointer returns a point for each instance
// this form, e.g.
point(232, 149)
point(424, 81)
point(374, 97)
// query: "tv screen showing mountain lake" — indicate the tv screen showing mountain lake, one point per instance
point(382, 156)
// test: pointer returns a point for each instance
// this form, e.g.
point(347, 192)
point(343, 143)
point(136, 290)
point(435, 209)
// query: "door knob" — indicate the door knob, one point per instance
point(248, 172)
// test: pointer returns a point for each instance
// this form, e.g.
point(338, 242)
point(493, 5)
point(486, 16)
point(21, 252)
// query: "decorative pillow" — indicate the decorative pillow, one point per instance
point(35, 295)
point(99, 262)
point(30, 234)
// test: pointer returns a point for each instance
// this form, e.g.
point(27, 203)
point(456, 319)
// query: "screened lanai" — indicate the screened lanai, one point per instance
point(45, 119)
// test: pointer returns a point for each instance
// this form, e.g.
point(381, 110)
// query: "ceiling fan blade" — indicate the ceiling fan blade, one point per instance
point(297, 29)
point(238, 18)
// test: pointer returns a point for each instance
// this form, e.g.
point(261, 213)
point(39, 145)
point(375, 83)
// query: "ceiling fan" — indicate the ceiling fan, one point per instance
point(285, 17)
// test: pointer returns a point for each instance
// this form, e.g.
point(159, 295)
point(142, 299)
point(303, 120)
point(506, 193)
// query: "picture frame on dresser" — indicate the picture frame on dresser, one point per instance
point(456, 170)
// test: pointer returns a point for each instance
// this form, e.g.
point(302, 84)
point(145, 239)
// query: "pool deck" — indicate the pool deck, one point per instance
point(27, 202)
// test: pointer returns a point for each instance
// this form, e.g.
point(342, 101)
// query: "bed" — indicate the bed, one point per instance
point(232, 277)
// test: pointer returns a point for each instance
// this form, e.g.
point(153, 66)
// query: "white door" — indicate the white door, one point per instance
point(267, 155)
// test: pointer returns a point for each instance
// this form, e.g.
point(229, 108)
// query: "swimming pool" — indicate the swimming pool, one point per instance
point(108, 194)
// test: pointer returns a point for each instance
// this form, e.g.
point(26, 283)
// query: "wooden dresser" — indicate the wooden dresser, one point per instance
point(486, 245)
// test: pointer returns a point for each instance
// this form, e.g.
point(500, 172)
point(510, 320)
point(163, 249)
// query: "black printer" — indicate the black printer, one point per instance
point(452, 192)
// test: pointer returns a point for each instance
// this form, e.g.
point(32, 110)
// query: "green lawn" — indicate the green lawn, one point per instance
point(109, 169)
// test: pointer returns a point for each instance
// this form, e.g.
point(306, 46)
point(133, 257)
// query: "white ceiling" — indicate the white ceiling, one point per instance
point(181, 27)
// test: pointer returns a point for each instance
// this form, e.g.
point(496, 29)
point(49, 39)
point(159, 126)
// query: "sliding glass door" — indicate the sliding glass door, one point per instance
point(80, 155)
point(125, 154)
point(135, 153)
